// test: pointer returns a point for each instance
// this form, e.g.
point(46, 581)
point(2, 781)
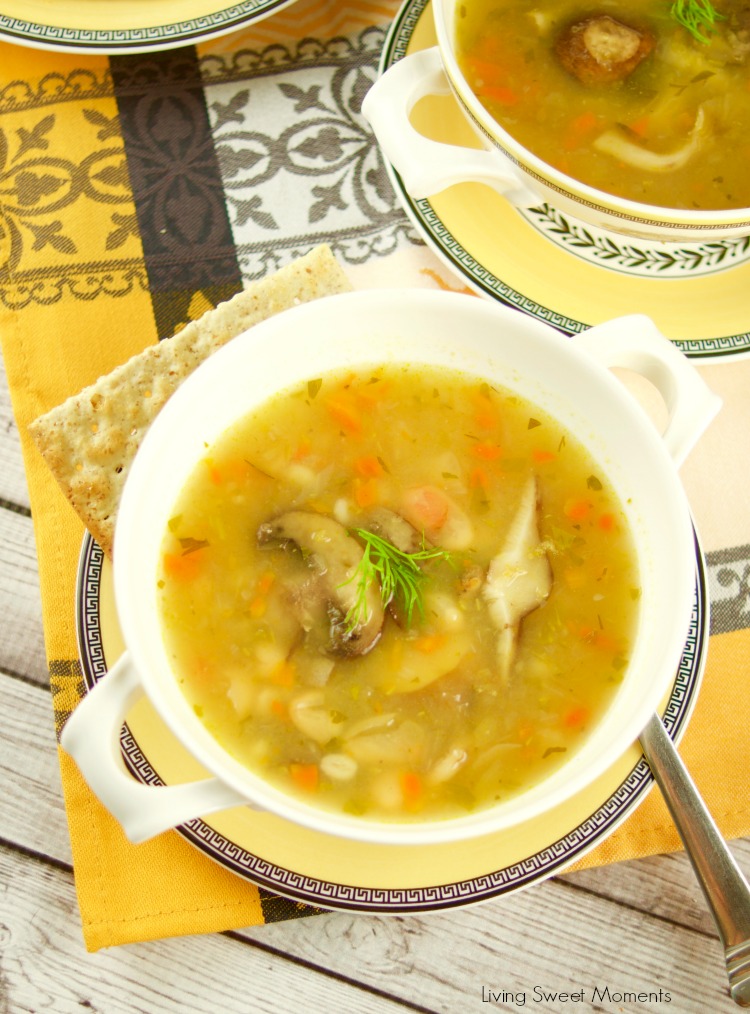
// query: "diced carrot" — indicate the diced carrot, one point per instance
point(498, 93)
point(258, 606)
point(541, 455)
point(576, 717)
point(577, 510)
point(343, 410)
point(584, 122)
point(368, 467)
point(215, 475)
point(302, 450)
point(607, 522)
point(183, 567)
point(639, 127)
point(429, 643)
point(278, 708)
point(579, 129)
point(487, 452)
point(412, 789)
point(365, 492)
point(265, 582)
point(478, 477)
point(305, 776)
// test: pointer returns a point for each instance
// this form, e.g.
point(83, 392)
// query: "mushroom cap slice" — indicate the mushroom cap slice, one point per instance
point(519, 578)
point(334, 556)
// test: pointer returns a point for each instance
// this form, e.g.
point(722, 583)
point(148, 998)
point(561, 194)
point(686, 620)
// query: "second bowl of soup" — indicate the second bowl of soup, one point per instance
point(403, 566)
point(620, 115)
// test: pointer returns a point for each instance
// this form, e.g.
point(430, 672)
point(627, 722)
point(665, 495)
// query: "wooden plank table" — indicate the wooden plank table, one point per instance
point(637, 927)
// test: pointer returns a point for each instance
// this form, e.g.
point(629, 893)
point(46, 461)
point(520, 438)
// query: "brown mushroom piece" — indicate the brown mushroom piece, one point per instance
point(519, 578)
point(601, 50)
point(333, 556)
point(396, 529)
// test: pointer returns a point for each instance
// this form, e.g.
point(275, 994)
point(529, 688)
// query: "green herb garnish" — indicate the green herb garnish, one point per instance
point(399, 574)
point(697, 16)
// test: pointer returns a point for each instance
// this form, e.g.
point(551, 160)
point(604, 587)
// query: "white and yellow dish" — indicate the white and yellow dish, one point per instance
point(568, 379)
point(428, 166)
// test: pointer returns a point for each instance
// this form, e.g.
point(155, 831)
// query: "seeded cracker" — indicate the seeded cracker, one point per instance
point(90, 440)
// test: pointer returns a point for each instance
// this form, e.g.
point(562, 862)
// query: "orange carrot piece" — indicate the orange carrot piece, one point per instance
point(258, 606)
point(478, 477)
point(487, 452)
point(265, 582)
point(639, 127)
point(305, 776)
point(183, 567)
point(365, 492)
point(498, 93)
point(429, 643)
point(343, 411)
point(302, 449)
point(576, 717)
point(368, 467)
point(278, 708)
point(577, 510)
point(607, 522)
point(541, 456)
point(412, 789)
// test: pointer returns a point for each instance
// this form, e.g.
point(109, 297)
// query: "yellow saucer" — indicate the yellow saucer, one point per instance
point(340, 874)
point(565, 273)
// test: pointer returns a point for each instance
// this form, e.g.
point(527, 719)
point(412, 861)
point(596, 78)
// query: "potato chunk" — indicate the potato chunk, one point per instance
point(600, 50)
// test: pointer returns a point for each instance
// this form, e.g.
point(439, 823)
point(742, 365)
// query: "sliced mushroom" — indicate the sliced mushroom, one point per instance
point(333, 556)
point(396, 529)
point(519, 578)
point(617, 144)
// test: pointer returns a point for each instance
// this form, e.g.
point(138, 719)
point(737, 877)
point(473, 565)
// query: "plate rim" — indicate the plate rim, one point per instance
point(137, 39)
point(337, 896)
point(450, 250)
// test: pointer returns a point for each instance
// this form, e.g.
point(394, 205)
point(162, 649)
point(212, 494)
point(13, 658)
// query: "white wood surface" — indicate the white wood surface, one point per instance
point(637, 926)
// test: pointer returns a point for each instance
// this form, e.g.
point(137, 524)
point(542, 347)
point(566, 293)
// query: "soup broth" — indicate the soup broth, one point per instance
point(515, 604)
point(659, 118)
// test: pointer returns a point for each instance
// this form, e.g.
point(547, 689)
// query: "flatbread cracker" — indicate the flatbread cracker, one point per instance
point(90, 440)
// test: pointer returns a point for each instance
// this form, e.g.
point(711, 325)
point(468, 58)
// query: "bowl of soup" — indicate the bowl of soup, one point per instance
point(618, 115)
point(400, 565)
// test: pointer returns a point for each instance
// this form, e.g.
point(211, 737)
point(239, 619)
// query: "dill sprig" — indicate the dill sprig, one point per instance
point(398, 573)
point(697, 16)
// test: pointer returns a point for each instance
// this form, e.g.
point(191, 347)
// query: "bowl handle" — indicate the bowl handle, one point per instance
point(92, 738)
point(635, 343)
point(427, 166)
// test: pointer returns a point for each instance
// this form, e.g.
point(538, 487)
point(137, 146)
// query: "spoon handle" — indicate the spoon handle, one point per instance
point(721, 880)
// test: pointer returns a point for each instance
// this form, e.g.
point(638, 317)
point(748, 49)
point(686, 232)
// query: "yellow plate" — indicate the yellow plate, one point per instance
point(125, 26)
point(340, 874)
point(557, 269)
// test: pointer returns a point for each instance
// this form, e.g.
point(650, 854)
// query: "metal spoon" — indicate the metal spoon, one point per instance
point(721, 880)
